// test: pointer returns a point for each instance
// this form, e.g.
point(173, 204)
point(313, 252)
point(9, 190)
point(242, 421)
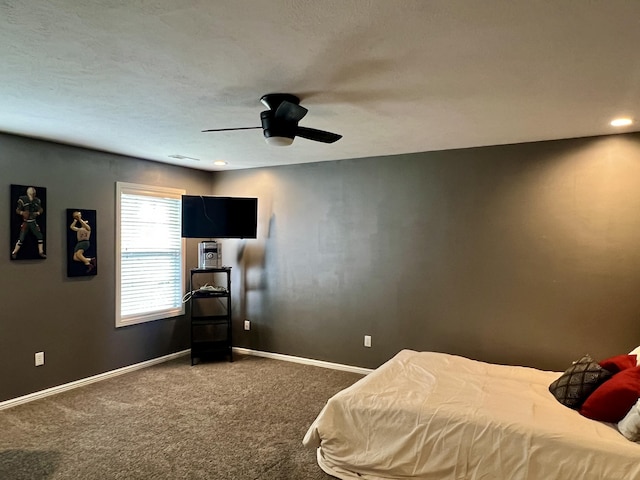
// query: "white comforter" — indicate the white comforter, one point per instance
point(436, 416)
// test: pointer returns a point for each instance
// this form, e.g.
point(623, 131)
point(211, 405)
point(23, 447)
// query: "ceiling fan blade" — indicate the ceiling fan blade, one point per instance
point(229, 129)
point(317, 135)
point(290, 112)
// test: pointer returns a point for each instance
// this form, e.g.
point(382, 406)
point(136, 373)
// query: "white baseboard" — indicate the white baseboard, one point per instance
point(86, 381)
point(305, 361)
point(121, 371)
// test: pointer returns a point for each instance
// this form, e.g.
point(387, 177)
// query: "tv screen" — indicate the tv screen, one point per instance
point(219, 217)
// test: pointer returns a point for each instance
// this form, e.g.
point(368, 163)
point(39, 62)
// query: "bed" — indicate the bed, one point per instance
point(435, 416)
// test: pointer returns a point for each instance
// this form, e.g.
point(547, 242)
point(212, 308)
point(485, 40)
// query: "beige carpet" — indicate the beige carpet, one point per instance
point(214, 421)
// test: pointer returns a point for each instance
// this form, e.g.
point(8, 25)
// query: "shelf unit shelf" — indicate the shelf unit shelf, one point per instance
point(210, 320)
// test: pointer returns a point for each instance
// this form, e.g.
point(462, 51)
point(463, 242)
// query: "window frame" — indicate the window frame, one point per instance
point(152, 315)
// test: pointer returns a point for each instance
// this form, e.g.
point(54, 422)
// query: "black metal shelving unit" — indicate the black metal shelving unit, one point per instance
point(210, 314)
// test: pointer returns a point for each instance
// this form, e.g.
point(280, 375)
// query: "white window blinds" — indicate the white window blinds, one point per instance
point(150, 279)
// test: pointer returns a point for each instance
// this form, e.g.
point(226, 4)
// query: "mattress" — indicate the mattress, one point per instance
point(435, 416)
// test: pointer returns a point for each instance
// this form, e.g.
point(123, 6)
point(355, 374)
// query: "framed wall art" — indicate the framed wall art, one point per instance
point(28, 222)
point(81, 242)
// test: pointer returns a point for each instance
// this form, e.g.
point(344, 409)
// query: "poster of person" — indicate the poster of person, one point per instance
point(28, 213)
point(81, 242)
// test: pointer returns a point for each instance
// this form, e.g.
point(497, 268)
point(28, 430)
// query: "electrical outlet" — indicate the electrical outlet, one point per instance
point(39, 357)
point(367, 340)
point(247, 325)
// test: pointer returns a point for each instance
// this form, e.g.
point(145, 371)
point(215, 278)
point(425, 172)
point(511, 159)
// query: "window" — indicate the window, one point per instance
point(149, 253)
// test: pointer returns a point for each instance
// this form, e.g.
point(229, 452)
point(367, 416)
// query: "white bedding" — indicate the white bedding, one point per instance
point(435, 416)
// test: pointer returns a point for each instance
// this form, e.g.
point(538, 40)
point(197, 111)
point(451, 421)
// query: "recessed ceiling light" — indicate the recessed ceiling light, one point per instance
point(621, 122)
point(219, 162)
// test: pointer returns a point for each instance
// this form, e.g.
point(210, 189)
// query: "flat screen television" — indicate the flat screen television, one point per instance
point(219, 217)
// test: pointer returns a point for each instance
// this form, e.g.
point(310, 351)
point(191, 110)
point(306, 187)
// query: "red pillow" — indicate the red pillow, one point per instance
point(612, 400)
point(618, 363)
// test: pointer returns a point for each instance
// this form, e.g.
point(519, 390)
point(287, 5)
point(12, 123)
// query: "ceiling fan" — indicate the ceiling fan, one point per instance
point(280, 122)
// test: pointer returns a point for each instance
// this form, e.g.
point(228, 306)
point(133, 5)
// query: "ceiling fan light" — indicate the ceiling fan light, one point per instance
point(278, 141)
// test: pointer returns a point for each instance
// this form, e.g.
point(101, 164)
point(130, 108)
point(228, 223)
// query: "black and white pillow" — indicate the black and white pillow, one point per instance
point(578, 382)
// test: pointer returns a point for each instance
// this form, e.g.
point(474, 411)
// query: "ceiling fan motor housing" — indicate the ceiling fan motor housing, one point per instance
point(273, 100)
point(273, 128)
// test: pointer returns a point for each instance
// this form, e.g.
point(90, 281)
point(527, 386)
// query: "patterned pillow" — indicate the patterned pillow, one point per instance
point(578, 382)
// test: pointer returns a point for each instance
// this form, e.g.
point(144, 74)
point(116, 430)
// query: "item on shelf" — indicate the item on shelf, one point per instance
point(210, 254)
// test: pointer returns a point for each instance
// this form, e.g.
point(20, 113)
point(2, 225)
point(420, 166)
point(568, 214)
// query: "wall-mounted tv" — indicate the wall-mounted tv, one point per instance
point(219, 217)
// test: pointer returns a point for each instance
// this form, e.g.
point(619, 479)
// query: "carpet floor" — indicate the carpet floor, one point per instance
point(217, 421)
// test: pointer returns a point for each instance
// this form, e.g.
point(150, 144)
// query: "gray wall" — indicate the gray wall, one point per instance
point(72, 319)
point(525, 254)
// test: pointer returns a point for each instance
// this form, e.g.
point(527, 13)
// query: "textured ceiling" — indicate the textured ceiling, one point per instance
point(143, 78)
